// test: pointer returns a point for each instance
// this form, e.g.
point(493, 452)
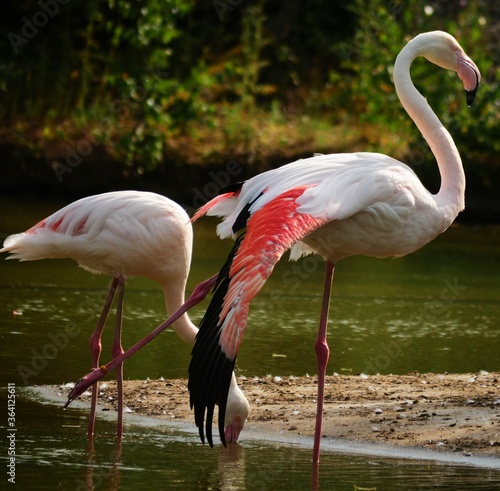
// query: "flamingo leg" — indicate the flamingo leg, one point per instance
point(322, 354)
point(116, 351)
point(95, 351)
point(199, 293)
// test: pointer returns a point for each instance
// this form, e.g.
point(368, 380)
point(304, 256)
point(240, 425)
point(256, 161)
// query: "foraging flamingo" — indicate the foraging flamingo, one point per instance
point(336, 206)
point(123, 234)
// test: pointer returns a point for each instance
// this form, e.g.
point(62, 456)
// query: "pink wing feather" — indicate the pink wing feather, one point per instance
point(204, 210)
point(271, 231)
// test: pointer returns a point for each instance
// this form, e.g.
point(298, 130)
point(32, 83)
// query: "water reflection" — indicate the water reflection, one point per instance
point(97, 474)
point(232, 467)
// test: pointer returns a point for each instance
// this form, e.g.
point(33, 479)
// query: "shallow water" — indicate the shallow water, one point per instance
point(52, 453)
point(436, 310)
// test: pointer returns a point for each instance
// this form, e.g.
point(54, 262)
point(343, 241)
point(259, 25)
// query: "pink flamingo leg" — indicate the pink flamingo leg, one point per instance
point(322, 354)
point(95, 351)
point(199, 293)
point(116, 351)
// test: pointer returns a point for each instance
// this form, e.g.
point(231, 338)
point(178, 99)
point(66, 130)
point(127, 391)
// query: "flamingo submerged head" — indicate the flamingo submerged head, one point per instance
point(236, 414)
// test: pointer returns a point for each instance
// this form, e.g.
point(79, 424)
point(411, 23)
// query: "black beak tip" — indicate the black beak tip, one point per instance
point(470, 95)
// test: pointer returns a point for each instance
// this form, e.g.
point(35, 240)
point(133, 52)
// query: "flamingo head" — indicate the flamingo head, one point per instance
point(232, 432)
point(443, 50)
point(237, 410)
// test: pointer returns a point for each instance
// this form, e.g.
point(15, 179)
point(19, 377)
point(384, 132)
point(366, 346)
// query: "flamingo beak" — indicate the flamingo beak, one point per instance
point(232, 432)
point(470, 76)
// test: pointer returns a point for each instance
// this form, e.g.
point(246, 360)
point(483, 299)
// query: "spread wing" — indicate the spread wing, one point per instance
point(262, 238)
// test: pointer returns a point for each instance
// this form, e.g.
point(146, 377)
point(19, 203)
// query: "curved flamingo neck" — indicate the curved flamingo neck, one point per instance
point(184, 327)
point(451, 194)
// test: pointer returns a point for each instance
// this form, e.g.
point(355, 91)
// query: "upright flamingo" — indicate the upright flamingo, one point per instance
point(333, 205)
point(123, 234)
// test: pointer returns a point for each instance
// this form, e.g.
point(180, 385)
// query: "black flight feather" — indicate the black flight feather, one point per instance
point(210, 371)
point(231, 188)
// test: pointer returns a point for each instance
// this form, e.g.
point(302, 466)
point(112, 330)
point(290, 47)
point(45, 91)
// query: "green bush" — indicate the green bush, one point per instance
point(141, 73)
point(369, 58)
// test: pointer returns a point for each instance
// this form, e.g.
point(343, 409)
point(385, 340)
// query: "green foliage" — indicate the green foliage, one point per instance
point(369, 56)
point(144, 75)
point(102, 64)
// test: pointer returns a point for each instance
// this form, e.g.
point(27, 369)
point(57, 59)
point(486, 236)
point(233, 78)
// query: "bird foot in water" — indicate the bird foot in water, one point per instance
point(85, 382)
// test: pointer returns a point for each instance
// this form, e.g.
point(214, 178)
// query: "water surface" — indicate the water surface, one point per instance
point(52, 453)
point(436, 310)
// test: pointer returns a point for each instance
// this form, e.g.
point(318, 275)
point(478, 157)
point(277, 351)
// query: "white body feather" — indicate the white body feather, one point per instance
point(127, 233)
point(375, 205)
